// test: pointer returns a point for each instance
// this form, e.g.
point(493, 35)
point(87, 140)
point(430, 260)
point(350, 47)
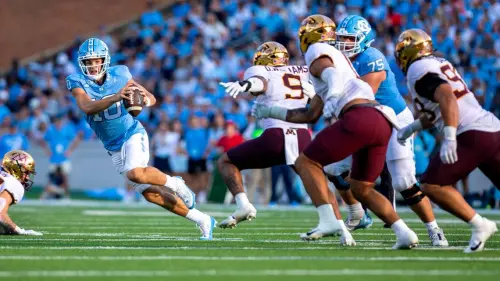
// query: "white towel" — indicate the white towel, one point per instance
point(389, 114)
point(291, 145)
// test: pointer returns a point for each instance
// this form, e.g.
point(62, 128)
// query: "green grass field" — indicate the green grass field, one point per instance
point(108, 241)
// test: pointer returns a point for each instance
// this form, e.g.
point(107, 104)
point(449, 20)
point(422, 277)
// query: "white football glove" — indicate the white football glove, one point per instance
point(22, 231)
point(260, 111)
point(308, 89)
point(408, 131)
point(448, 152)
point(235, 88)
point(329, 109)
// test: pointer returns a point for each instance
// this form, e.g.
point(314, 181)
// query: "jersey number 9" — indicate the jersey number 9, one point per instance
point(293, 83)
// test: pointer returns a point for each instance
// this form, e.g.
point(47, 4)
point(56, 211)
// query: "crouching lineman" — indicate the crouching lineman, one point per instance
point(363, 130)
point(16, 177)
point(471, 134)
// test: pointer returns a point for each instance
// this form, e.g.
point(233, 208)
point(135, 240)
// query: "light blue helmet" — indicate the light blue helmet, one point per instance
point(354, 35)
point(93, 48)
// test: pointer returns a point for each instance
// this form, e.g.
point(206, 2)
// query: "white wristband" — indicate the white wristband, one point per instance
point(277, 112)
point(450, 133)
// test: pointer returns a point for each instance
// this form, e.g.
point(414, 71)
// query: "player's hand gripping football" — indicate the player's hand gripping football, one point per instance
point(235, 88)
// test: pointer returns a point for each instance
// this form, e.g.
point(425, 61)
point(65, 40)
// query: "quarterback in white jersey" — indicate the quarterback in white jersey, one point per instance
point(363, 130)
point(275, 83)
point(16, 173)
point(471, 134)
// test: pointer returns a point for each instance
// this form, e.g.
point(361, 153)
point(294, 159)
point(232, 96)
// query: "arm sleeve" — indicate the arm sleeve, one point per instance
point(427, 85)
point(316, 51)
point(73, 82)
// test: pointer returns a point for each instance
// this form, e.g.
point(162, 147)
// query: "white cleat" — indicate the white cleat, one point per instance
point(480, 235)
point(183, 191)
point(321, 231)
point(406, 240)
point(346, 239)
point(247, 213)
point(207, 228)
point(437, 238)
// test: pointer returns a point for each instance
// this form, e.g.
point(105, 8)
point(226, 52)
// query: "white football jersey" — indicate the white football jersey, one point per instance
point(351, 86)
point(11, 185)
point(283, 89)
point(471, 116)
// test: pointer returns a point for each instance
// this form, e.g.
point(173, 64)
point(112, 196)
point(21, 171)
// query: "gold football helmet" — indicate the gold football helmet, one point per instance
point(412, 44)
point(20, 165)
point(316, 28)
point(271, 54)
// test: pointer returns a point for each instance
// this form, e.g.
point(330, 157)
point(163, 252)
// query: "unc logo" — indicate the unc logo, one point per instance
point(363, 26)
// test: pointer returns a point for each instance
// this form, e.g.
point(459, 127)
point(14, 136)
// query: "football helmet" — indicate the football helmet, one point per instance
point(94, 48)
point(412, 44)
point(20, 165)
point(271, 54)
point(316, 28)
point(354, 35)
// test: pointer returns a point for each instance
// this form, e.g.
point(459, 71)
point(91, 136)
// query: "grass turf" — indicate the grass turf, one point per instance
point(102, 241)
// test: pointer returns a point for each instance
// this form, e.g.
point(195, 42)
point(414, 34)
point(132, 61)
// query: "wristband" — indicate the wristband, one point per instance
point(450, 133)
point(277, 112)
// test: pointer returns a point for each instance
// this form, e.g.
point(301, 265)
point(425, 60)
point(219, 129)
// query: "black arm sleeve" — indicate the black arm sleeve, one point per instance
point(427, 85)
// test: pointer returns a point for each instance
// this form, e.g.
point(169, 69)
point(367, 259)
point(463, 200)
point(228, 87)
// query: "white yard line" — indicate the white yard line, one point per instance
point(377, 246)
point(274, 272)
point(252, 258)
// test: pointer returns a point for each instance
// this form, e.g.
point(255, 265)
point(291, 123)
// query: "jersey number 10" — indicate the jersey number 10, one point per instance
point(110, 113)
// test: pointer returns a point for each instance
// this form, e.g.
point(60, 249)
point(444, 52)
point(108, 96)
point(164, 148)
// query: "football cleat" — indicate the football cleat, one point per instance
point(184, 192)
point(248, 212)
point(365, 222)
point(321, 231)
point(480, 235)
point(406, 240)
point(437, 238)
point(207, 229)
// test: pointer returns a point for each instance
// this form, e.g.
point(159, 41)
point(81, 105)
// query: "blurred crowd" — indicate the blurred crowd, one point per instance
point(180, 54)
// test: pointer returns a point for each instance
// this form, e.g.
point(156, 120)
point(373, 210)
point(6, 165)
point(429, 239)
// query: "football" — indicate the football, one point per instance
point(136, 102)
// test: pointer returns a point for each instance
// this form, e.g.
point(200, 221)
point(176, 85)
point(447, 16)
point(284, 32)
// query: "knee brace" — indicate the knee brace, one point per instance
point(339, 181)
point(412, 195)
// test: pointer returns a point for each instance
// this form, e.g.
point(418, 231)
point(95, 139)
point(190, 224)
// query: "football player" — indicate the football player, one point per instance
point(471, 134)
point(354, 37)
point(99, 91)
point(363, 130)
point(275, 83)
point(16, 177)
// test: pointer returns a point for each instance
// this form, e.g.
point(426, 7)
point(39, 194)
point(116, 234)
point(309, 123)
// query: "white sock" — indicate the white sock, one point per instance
point(241, 199)
point(356, 211)
point(399, 226)
point(326, 214)
point(196, 216)
point(431, 225)
point(476, 221)
point(170, 183)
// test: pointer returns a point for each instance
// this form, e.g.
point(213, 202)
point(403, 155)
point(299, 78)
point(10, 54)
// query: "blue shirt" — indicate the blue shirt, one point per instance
point(196, 143)
point(59, 141)
point(10, 142)
point(4, 111)
point(372, 60)
point(424, 144)
point(114, 126)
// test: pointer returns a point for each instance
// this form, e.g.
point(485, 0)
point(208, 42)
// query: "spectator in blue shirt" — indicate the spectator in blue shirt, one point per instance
point(196, 139)
point(60, 140)
point(12, 140)
point(152, 16)
point(4, 110)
